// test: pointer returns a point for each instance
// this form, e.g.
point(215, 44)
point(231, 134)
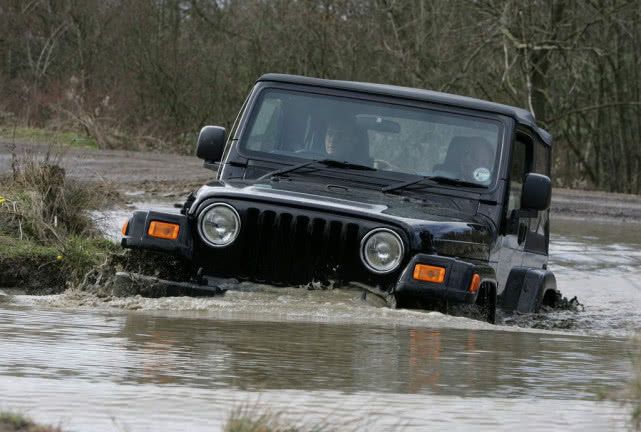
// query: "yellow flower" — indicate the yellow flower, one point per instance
point(2, 200)
point(59, 257)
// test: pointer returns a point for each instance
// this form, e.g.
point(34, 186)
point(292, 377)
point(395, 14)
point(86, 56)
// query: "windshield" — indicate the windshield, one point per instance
point(383, 136)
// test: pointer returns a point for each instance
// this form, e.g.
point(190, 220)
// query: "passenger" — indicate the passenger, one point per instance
point(477, 162)
point(469, 159)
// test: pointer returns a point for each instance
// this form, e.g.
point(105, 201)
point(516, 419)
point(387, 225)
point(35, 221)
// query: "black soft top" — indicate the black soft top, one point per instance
point(520, 115)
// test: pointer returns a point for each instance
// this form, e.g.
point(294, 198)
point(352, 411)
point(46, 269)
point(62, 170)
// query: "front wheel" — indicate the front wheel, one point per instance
point(485, 306)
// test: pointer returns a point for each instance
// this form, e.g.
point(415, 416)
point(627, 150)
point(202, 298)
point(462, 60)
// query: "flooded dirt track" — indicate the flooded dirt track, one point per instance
point(116, 166)
point(327, 356)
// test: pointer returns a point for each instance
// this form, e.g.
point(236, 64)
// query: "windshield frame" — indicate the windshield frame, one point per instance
point(504, 123)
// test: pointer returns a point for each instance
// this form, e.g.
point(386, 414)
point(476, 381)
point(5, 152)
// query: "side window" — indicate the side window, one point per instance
point(234, 130)
point(521, 165)
point(542, 159)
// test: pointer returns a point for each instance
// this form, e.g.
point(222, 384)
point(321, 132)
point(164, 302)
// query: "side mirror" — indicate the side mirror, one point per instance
point(211, 143)
point(536, 193)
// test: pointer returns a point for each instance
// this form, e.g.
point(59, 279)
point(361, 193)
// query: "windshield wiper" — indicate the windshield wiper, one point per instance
point(456, 182)
point(281, 171)
point(432, 180)
point(330, 163)
point(402, 185)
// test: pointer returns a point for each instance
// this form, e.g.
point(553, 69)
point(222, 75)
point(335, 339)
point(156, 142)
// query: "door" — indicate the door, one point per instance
point(514, 229)
point(538, 232)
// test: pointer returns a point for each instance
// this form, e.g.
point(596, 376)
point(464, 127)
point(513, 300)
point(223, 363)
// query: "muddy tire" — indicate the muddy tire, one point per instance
point(485, 306)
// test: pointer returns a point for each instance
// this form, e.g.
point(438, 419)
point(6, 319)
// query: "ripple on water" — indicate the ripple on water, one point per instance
point(111, 406)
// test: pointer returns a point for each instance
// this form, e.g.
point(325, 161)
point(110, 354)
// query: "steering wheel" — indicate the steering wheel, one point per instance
point(313, 154)
point(387, 166)
point(384, 165)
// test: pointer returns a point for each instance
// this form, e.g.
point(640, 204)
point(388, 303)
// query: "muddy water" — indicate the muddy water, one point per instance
point(326, 356)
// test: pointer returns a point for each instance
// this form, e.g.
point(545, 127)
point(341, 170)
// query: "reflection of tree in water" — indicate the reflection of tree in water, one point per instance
point(310, 356)
point(171, 351)
point(424, 359)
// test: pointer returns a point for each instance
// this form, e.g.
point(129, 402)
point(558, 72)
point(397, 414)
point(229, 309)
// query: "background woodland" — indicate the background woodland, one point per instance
point(150, 73)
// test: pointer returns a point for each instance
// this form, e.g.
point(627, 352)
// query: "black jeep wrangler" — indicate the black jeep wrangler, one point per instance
point(428, 198)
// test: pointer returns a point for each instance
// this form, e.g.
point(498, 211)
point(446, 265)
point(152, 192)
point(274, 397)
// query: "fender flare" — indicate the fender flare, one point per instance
point(486, 297)
point(487, 274)
point(525, 290)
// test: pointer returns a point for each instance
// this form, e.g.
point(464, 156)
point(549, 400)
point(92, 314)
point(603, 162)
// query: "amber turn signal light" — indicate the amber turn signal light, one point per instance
point(124, 228)
point(429, 273)
point(475, 284)
point(163, 230)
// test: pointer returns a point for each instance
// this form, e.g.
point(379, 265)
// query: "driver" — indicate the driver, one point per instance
point(340, 138)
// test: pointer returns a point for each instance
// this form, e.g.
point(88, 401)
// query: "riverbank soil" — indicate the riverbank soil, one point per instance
point(35, 268)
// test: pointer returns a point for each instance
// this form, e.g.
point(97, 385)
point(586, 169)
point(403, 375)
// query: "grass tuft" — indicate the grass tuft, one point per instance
point(633, 390)
point(242, 420)
point(251, 419)
point(14, 422)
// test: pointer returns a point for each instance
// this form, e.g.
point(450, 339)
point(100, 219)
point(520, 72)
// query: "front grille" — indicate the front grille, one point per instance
point(283, 245)
point(292, 248)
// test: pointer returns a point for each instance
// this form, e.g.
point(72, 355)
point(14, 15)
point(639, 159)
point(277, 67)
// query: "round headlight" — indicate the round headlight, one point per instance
point(219, 225)
point(382, 250)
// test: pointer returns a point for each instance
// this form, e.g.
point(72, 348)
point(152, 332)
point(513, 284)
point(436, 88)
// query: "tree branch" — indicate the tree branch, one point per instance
point(592, 108)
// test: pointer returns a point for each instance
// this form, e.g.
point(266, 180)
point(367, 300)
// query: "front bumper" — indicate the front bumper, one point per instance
point(454, 289)
point(136, 235)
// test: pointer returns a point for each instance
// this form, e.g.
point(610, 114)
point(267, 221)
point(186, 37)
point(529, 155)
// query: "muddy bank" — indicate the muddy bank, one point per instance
point(33, 273)
point(35, 270)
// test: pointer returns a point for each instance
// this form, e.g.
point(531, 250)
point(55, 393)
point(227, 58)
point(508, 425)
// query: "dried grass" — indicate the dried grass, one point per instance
point(42, 209)
point(251, 418)
point(40, 203)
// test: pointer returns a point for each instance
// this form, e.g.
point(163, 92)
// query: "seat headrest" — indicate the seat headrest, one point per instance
point(459, 145)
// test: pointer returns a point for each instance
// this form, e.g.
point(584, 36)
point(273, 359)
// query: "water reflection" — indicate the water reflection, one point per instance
point(271, 355)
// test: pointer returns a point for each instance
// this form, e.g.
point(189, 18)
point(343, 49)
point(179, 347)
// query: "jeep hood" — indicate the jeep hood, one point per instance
point(435, 223)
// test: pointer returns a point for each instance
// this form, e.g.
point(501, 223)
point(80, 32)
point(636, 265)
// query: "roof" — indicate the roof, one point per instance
point(520, 115)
